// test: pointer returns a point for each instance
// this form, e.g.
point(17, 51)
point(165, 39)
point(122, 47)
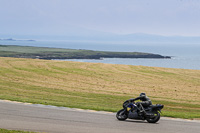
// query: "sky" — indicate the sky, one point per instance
point(71, 17)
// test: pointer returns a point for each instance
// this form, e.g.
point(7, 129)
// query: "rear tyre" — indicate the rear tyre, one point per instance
point(122, 115)
point(155, 119)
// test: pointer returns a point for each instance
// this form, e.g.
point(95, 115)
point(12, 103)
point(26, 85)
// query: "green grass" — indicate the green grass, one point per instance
point(13, 131)
point(99, 86)
point(99, 102)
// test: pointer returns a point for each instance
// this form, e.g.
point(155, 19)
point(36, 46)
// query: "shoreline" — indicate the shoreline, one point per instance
point(61, 53)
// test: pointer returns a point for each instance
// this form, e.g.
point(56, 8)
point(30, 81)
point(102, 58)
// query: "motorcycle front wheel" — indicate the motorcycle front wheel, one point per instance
point(122, 115)
point(155, 118)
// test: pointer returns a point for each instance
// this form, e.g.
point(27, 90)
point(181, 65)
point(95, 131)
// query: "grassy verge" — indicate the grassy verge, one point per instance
point(99, 86)
point(13, 131)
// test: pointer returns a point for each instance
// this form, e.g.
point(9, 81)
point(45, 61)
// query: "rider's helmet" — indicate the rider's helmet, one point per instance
point(142, 94)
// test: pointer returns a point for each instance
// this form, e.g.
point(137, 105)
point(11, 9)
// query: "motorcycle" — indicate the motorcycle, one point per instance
point(136, 111)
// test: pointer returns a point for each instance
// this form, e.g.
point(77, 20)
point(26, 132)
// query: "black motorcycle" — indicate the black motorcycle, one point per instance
point(137, 111)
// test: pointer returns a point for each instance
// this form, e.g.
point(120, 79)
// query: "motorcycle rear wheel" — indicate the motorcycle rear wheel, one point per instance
point(155, 119)
point(121, 115)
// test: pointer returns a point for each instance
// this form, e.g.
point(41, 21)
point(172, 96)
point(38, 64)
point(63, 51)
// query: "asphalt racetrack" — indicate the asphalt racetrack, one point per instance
point(41, 118)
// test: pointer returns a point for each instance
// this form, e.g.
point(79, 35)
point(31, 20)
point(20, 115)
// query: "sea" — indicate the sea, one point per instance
point(184, 56)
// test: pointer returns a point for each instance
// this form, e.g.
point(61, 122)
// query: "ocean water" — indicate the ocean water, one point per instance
point(185, 56)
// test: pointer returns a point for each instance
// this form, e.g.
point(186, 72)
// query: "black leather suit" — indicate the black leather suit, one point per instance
point(145, 100)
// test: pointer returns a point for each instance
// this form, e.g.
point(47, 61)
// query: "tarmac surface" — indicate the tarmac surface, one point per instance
point(52, 119)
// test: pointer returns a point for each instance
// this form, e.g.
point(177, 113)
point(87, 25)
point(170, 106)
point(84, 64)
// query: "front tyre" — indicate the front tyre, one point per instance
point(122, 115)
point(155, 118)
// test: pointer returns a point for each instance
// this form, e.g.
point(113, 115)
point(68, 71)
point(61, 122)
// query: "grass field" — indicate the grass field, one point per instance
point(99, 86)
point(13, 131)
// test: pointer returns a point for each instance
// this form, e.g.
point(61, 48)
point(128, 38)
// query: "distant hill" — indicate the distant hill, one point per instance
point(111, 37)
point(12, 39)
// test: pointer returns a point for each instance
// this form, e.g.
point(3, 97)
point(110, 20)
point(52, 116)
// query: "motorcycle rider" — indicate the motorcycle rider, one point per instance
point(145, 100)
point(145, 103)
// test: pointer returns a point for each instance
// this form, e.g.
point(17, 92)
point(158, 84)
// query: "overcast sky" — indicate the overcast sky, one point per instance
point(64, 17)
